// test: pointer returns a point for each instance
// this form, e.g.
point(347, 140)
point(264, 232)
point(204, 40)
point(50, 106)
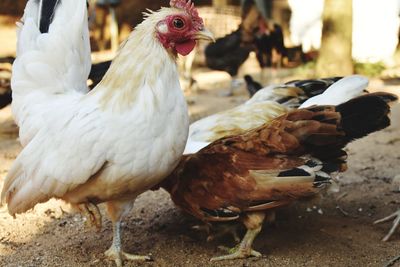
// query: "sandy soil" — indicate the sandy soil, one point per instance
point(335, 230)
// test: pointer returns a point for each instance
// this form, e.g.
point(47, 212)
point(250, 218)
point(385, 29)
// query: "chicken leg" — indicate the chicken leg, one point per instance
point(116, 210)
point(396, 221)
point(253, 222)
point(92, 214)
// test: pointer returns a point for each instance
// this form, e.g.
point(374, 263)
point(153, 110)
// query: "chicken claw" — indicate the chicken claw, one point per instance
point(237, 253)
point(243, 250)
point(115, 252)
point(396, 222)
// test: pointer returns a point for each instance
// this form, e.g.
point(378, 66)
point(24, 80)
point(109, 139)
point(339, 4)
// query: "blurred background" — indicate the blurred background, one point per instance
point(274, 41)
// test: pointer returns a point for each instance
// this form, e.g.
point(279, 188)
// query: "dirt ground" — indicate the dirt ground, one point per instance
point(335, 230)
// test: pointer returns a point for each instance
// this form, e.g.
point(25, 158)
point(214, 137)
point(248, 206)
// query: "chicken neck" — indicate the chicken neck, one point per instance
point(141, 69)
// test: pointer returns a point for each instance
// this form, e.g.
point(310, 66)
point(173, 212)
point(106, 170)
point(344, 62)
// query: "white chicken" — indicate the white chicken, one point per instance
point(108, 145)
point(271, 102)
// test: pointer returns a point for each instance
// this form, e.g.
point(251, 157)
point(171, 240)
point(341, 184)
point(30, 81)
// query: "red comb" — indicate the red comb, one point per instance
point(188, 6)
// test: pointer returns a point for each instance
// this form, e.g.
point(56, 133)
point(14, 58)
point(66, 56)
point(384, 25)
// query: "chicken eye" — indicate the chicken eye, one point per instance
point(178, 23)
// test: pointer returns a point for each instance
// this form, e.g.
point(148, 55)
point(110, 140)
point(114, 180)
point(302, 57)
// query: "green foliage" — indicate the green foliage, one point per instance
point(369, 69)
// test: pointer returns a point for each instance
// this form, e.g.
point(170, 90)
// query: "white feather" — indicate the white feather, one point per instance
point(50, 63)
point(339, 92)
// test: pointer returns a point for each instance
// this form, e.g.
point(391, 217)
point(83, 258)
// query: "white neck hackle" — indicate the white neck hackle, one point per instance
point(139, 63)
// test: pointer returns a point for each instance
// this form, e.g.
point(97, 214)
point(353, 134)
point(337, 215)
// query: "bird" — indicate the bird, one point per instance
point(246, 177)
point(227, 54)
point(252, 86)
point(271, 102)
point(108, 145)
point(268, 41)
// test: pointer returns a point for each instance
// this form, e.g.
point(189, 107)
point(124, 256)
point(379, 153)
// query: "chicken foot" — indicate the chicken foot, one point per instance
point(116, 253)
point(92, 214)
point(253, 222)
point(396, 221)
point(116, 210)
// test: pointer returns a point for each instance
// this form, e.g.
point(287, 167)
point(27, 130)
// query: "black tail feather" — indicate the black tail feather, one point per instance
point(47, 9)
point(364, 115)
point(387, 97)
point(314, 87)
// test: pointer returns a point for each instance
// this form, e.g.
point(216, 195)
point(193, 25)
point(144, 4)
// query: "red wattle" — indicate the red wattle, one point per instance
point(185, 48)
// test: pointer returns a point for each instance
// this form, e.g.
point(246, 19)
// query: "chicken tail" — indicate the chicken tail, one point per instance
point(323, 142)
point(340, 91)
point(53, 49)
point(365, 114)
point(53, 58)
point(47, 9)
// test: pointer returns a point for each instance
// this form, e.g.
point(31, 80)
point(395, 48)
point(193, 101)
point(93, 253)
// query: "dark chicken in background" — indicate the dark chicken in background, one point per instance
point(245, 177)
point(231, 51)
point(228, 54)
point(270, 47)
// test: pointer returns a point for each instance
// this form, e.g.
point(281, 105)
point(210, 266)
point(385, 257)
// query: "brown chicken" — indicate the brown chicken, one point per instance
point(245, 177)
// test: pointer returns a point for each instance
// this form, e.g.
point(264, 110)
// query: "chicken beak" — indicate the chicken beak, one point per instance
point(204, 34)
